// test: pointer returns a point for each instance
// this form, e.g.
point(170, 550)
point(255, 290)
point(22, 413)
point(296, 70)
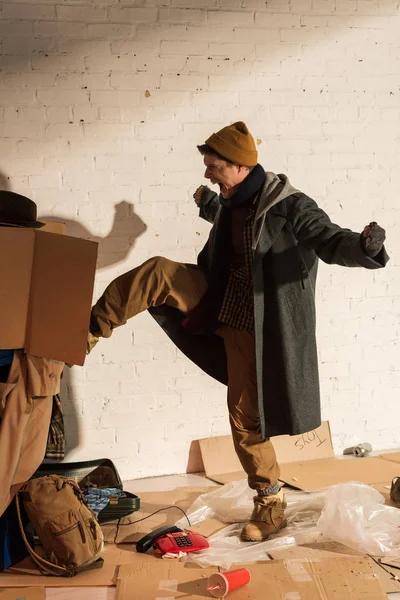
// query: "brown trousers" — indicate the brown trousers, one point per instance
point(162, 281)
point(26, 402)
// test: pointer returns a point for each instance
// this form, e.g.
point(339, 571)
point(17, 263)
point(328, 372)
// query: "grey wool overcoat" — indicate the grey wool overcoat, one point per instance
point(290, 234)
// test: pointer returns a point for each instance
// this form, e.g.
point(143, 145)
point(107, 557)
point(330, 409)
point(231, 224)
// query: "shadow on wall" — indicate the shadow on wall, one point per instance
point(118, 243)
point(113, 249)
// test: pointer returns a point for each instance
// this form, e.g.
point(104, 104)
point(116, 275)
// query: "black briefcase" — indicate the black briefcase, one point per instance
point(102, 473)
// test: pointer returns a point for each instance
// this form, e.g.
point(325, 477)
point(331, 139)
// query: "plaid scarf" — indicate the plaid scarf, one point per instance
point(55, 448)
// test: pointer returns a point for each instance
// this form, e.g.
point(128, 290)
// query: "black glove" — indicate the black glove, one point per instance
point(372, 239)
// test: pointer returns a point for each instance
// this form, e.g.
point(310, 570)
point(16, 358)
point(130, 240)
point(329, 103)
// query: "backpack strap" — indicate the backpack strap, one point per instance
point(45, 567)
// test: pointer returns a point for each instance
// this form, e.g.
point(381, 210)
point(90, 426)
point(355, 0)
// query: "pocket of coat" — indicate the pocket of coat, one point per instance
point(43, 376)
point(303, 275)
point(295, 311)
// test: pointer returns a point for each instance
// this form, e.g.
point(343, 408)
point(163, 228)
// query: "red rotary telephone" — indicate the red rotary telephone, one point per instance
point(173, 540)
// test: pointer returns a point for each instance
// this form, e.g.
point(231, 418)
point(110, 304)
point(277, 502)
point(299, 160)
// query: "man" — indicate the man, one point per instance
point(250, 300)
point(28, 389)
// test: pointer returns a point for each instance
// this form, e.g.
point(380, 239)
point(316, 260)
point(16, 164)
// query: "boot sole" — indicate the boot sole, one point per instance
point(246, 538)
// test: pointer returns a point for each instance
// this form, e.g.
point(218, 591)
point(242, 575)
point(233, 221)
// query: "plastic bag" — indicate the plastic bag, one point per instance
point(230, 503)
point(226, 547)
point(355, 515)
point(233, 503)
point(351, 513)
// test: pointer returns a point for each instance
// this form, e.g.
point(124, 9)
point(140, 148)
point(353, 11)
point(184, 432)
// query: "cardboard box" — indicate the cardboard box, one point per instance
point(332, 579)
point(53, 226)
point(47, 288)
point(307, 462)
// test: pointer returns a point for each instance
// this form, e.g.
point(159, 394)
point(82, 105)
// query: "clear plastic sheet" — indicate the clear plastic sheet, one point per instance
point(355, 515)
point(233, 503)
point(230, 503)
point(226, 548)
point(352, 513)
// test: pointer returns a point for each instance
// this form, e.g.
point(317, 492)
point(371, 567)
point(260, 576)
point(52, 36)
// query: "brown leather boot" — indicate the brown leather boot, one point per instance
point(267, 518)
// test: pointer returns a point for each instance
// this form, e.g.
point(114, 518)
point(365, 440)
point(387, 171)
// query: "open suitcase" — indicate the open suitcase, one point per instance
point(103, 474)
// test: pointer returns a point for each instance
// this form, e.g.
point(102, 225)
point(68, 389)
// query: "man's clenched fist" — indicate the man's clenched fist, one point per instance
point(198, 194)
point(372, 239)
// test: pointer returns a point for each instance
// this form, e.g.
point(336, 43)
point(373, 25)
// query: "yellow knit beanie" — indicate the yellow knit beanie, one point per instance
point(235, 143)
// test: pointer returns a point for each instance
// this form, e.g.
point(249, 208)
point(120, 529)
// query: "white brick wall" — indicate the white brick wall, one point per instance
point(103, 101)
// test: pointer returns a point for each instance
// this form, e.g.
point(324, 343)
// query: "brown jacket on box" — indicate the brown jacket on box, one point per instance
point(26, 402)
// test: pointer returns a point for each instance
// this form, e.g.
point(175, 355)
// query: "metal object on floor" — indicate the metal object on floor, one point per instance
point(360, 450)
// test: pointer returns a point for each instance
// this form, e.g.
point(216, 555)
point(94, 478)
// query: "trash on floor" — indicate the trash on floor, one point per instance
point(360, 450)
point(347, 579)
point(330, 531)
point(353, 514)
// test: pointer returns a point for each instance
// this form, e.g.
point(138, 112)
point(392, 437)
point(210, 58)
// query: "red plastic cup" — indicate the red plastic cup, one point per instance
point(220, 584)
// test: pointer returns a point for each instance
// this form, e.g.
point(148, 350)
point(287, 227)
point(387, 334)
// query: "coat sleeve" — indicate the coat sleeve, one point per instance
point(333, 244)
point(209, 205)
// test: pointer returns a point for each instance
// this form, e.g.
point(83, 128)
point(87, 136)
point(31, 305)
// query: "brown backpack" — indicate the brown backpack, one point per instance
point(64, 523)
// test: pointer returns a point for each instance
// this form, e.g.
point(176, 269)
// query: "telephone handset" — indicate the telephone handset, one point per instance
point(173, 540)
point(146, 542)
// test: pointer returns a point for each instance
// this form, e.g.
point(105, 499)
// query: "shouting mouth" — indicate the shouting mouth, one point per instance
point(223, 189)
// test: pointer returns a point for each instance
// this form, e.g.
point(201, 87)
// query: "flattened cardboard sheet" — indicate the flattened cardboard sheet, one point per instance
point(317, 474)
point(32, 593)
point(393, 456)
point(324, 550)
point(307, 462)
point(332, 579)
point(25, 574)
point(208, 527)
point(222, 465)
point(163, 579)
point(315, 552)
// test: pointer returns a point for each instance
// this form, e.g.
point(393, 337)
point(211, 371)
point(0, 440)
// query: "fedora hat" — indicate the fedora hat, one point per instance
point(18, 211)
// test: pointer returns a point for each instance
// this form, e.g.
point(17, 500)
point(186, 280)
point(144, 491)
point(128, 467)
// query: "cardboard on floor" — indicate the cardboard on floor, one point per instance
point(307, 462)
point(222, 465)
point(330, 579)
point(28, 593)
point(326, 550)
point(319, 571)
